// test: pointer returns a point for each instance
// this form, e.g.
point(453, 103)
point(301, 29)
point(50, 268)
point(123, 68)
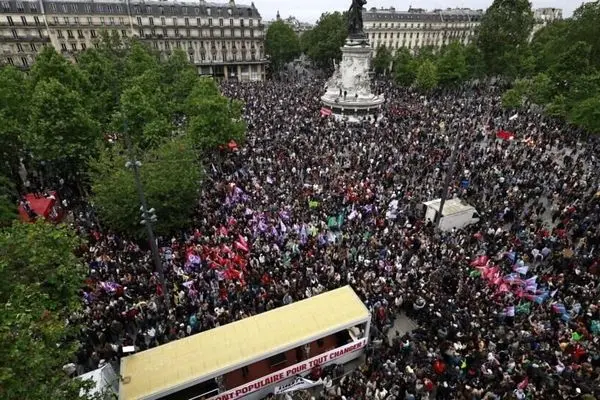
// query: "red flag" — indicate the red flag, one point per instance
point(325, 112)
point(505, 135)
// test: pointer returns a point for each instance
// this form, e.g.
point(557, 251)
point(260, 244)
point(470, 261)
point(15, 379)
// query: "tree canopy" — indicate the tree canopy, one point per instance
point(382, 60)
point(323, 43)
point(281, 44)
point(40, 279)
point(170, 175)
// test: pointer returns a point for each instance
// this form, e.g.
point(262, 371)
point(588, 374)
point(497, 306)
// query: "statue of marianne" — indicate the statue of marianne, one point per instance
point(355, 21)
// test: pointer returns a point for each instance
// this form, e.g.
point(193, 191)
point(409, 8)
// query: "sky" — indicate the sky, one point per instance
point(310, 10)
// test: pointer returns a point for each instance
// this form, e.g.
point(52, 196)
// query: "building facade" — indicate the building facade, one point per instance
point(222, 40)
point(293, 22)
point(418, 28)
point(545, 16)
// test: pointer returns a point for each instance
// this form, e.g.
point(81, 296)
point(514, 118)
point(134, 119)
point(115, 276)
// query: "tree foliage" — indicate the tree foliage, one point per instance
point(561, 72)
point(281, 44)
point(452, 65)
point(404, 67)
point(62, 135)
point(170, 175)
point(323, 43)
point(40, 278)
point(427, 76)
point(382, 60)
point(503, 35)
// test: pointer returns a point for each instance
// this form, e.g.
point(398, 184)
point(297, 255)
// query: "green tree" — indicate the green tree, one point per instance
point(170, 175)
point(281, 44)
point(586, 114)
point(179, 78)
point(139, 59)
point(427, 76)
point(61, 133)
point(143, 108)
point(382, 60)
point(14, 113)
point(474, 61)
point(503, 34)
point(51, 65)
point(214, 120)
point(105, 76)
point(404, 67)
point(512, 99)
point(40, 279)
point(452, 65)
point(8, 201)
point(323, 43)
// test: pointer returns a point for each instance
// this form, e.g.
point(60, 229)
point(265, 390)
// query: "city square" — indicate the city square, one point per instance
point(383, 205)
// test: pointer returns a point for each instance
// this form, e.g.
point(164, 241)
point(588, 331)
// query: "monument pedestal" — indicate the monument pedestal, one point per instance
point(348, 92)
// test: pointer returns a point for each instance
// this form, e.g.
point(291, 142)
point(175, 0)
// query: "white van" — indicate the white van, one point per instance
point(456, 213)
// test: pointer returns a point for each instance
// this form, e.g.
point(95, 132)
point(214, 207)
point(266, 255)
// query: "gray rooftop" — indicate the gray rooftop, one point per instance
point(138, 7)
point(417, 15)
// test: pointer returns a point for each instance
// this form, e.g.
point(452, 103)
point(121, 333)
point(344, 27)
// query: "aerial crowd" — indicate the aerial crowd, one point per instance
point(507, 308)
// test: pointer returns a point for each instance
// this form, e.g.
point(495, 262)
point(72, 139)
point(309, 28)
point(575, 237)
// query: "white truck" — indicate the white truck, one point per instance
point(456, 213)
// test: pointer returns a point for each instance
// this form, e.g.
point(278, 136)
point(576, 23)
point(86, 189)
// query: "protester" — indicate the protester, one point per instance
point(507, 307)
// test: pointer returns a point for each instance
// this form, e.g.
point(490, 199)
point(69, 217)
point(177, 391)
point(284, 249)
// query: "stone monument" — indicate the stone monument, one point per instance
point(348, 91)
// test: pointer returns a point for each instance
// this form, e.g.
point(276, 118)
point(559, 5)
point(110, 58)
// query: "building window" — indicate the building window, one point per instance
point(241, 22)
point(151, 21)
point(19, 48)
point(55, 19)
point(198, 21)
point(187, 21)
point(10, 20)
point(63, 46)
point(162, 21)
point(24, 61)
point(251, 22)
point(210, 22)
point(220, 21)
point(40, 33)
point(230, 21)
point(139, 21)
point(96, 45)
point(89, 20)
point(174, 21)
point(66, 19)
point(141, 33)
point(36, 20)
point(20, 7)
point(102, 20)
point(111, 20)
point(74, 46)
point(83, 46)
point(165, 32)
point(53, 7)
point(187, 33)
point(121, 21)
point(70, 34)
point(80, 34)
point(10, 61)
point(208, 11)
point(93, 33)
point(14, 33)
point(24, 20)
point(277, 359)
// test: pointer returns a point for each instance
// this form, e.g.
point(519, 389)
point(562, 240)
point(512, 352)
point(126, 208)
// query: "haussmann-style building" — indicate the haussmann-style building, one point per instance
point(418, 28)
point(223, 40)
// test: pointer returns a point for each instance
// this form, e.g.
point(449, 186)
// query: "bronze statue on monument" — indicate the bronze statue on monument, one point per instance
point(355, 20)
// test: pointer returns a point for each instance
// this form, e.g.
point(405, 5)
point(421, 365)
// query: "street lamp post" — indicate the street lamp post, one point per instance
point(148, 215)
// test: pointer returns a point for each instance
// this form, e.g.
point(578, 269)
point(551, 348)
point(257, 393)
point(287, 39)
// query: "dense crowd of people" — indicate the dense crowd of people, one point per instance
point(507, 307)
